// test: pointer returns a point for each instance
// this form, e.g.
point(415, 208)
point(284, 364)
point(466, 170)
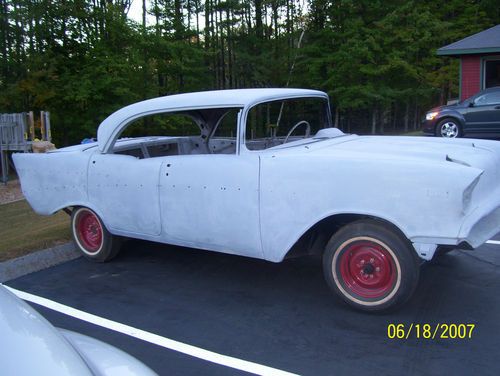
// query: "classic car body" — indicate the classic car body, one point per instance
point(273, 197)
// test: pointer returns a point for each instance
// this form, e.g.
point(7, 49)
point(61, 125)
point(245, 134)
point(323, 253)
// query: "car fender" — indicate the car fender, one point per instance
point(53, 181)
point(403, 193)
point(453, 114)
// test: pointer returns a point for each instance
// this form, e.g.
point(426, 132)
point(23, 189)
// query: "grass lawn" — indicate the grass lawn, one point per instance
point(413, 133)
point(23, 231)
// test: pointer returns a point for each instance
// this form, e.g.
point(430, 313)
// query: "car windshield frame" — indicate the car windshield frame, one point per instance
point(244, 118)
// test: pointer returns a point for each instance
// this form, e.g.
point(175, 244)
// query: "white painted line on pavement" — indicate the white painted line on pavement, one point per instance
point(167, 343)
point(493, 242)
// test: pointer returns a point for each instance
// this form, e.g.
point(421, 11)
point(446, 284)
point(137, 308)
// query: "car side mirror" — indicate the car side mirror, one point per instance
point(471, 104)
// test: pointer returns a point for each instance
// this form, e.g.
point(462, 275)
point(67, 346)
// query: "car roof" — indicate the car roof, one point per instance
point(190, 101)
point(482, 92)
point(494, 88)
point(222, 98)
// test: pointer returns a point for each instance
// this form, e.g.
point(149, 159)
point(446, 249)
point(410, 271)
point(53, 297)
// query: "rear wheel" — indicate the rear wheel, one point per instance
point(370, 266)
point(91, 236)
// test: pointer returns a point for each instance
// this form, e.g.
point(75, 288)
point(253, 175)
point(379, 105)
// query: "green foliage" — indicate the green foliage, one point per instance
point(380, 55)
point(82, 59)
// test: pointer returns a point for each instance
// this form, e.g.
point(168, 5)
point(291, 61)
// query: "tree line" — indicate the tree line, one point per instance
point(83, 59)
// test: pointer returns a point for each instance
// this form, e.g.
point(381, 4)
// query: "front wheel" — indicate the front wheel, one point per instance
point(370, 266)
point(448, 128)
point(91, 236)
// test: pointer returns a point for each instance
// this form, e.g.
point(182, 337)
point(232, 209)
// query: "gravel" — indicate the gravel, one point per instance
point(10, 192)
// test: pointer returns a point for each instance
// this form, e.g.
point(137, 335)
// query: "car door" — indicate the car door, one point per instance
point(124, 191)
point(212, 201)
point(484, 115)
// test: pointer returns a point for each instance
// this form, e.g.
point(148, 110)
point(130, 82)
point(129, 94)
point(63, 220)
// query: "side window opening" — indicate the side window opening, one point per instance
point(162, 124)
point(223, 138)
point(160, 135)
point(210, 131)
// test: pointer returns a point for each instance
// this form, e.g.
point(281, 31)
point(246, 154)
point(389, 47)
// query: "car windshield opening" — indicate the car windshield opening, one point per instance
point(278, 122)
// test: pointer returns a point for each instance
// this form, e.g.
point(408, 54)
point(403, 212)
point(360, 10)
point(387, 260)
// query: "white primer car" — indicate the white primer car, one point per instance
point(262, 173)
point(30, 345)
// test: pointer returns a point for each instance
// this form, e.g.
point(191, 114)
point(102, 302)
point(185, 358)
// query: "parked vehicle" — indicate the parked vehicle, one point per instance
point(30, 345)
point(478, 115)
point(261, 173)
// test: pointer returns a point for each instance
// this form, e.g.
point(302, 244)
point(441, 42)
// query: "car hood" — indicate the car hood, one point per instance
point(471, 153)
point(454, 106)
point(460, 161)
point(30, 345)
point(464, 159)
point(441, 108)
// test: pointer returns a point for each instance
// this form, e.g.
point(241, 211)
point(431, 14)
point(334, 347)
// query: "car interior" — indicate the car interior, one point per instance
point(210, 131)
point(214, 130)
point(151, 147)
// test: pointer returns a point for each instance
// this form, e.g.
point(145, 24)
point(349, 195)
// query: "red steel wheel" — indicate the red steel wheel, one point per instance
point(370, 265)
point(91, 236)
point(89, 231)
point(367, 269)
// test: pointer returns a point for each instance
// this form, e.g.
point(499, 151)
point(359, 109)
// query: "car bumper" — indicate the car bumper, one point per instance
point(428, 126)
point(476, 229)
point(481, 225)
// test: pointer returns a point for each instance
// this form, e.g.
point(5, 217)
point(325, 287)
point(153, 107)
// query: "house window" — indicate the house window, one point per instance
point(491, 73)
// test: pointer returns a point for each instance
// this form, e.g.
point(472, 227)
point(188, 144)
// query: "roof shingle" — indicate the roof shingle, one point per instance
point(486, 41)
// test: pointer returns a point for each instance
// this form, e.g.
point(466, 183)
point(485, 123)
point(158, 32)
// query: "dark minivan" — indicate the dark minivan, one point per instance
point(478, 115)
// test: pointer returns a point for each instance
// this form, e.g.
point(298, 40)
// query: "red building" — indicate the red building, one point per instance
point(479, 60)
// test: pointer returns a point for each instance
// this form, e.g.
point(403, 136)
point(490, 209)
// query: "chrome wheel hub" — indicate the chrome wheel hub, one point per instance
point(449, 130)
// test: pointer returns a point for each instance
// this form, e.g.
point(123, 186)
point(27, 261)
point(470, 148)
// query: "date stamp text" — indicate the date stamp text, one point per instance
point(430, 331)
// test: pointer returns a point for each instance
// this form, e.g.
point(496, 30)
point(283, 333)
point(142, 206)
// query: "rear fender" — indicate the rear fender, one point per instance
point(52, 181)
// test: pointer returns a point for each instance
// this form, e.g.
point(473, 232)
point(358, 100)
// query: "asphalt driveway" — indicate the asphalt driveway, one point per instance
point(279, 315)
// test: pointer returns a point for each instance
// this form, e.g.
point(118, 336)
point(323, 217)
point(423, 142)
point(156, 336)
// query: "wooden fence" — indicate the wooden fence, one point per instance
point(17, 133)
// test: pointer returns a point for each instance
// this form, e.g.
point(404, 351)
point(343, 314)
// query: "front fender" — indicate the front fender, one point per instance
point(447, 114)
point(416, 199)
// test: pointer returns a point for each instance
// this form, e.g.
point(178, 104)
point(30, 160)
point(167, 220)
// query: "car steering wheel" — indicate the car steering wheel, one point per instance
point(307, 134)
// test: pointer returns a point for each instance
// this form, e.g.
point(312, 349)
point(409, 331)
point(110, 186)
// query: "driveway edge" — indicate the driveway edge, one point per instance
point(37, 261)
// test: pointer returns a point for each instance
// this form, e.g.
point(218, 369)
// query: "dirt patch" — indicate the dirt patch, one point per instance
point(10, 192)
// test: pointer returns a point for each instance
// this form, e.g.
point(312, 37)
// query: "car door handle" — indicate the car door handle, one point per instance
point(497, 107)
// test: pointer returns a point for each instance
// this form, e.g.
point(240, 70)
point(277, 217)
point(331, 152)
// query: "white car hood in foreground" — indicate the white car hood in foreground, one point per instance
point(30, 345)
